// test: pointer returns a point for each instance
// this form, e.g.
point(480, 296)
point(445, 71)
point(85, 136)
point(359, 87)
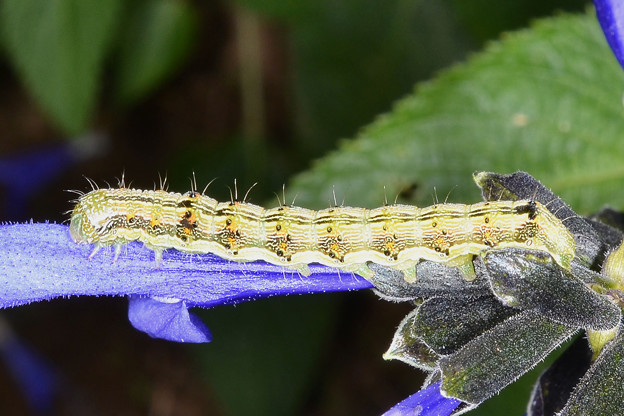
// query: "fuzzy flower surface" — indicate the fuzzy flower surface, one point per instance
point(41, 262)
point(610, 14)
point(427, 402)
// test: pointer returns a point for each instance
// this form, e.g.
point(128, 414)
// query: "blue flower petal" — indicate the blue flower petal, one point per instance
point(168, 320)
point(39, 261)
point(611, 17)
point(427, 402)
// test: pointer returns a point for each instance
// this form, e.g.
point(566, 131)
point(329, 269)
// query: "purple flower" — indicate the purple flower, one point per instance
point(427, 402)
point(40, 261)
point(611, 17)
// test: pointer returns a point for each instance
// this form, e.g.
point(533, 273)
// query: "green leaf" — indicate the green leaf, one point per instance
point(156, 39)
point(57, 48)
point(546, 100)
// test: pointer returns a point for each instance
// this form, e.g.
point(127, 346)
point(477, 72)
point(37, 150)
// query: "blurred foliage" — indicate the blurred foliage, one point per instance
point(541, 100)
point(277, 364)
point(348, 70)
point(60, 48)
point(506, 15)
point(155, 38)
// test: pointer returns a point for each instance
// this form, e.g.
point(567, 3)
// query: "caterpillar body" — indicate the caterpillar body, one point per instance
point(396, 236)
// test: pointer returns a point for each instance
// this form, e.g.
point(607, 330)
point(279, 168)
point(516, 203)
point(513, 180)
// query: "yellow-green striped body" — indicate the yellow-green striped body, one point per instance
point(396, 236)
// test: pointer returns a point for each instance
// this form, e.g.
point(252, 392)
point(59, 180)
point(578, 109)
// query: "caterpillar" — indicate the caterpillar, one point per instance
point(395, 236)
